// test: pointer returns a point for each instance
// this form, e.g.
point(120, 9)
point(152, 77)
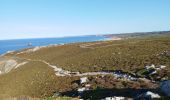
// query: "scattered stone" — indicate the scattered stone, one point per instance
point(56, 94)
point(81, 90)
point(114, 98)
point(162, 66)
point(152, 95)
point(153, 72)
point(83, 80)
point(148, 96)
point(122, 75)
point(87, 85)
point(149, 67)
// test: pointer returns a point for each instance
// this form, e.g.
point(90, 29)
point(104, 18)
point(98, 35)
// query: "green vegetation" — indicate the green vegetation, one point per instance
point(128, 54)
point(37, 79)
point(34, 79)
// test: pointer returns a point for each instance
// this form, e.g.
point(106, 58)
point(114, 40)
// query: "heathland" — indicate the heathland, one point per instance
point(36, 74)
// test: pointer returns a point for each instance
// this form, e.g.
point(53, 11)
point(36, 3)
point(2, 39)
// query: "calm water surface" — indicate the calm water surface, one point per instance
point(11, 45)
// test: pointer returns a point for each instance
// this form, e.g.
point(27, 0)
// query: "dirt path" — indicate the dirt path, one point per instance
point(90, 45)
point(61, 72)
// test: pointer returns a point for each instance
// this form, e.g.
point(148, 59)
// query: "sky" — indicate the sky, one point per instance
point(59, 18)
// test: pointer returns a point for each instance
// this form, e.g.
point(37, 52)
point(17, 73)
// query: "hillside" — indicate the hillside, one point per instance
point(127, 54)
point(54, 68)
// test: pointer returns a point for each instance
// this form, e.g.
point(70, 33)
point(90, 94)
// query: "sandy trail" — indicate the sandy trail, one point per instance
point(58, 71)
point(61, 72)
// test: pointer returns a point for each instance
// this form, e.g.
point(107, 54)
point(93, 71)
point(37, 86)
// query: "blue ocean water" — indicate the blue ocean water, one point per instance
point(11, 45)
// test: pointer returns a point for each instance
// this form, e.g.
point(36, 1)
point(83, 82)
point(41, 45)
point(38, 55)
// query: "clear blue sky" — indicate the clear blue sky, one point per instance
point(56, 18)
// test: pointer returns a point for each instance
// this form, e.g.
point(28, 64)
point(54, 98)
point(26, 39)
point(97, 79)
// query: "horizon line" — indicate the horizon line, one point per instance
point(139, 32)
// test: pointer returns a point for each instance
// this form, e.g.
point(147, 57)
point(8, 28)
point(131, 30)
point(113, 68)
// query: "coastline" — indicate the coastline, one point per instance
point(83, 60)
point(17, 45)
point(57, 44)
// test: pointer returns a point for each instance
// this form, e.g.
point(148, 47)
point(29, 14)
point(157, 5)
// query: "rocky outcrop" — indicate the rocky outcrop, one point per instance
point(6, 65)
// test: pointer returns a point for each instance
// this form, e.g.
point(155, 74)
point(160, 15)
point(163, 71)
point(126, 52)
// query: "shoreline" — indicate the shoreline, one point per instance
point(59, 44)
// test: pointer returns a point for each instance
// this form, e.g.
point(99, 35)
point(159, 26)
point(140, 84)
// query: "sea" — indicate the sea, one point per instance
point(18, 44)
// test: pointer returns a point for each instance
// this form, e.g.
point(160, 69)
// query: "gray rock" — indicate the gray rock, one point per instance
point(165, 87)
point(7, 65)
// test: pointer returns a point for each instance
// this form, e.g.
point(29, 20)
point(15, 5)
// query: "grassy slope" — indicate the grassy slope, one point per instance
point(125, 54)
point(34, 79)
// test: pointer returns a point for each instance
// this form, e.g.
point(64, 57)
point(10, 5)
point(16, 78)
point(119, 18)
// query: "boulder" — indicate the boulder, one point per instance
point(165, 87)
